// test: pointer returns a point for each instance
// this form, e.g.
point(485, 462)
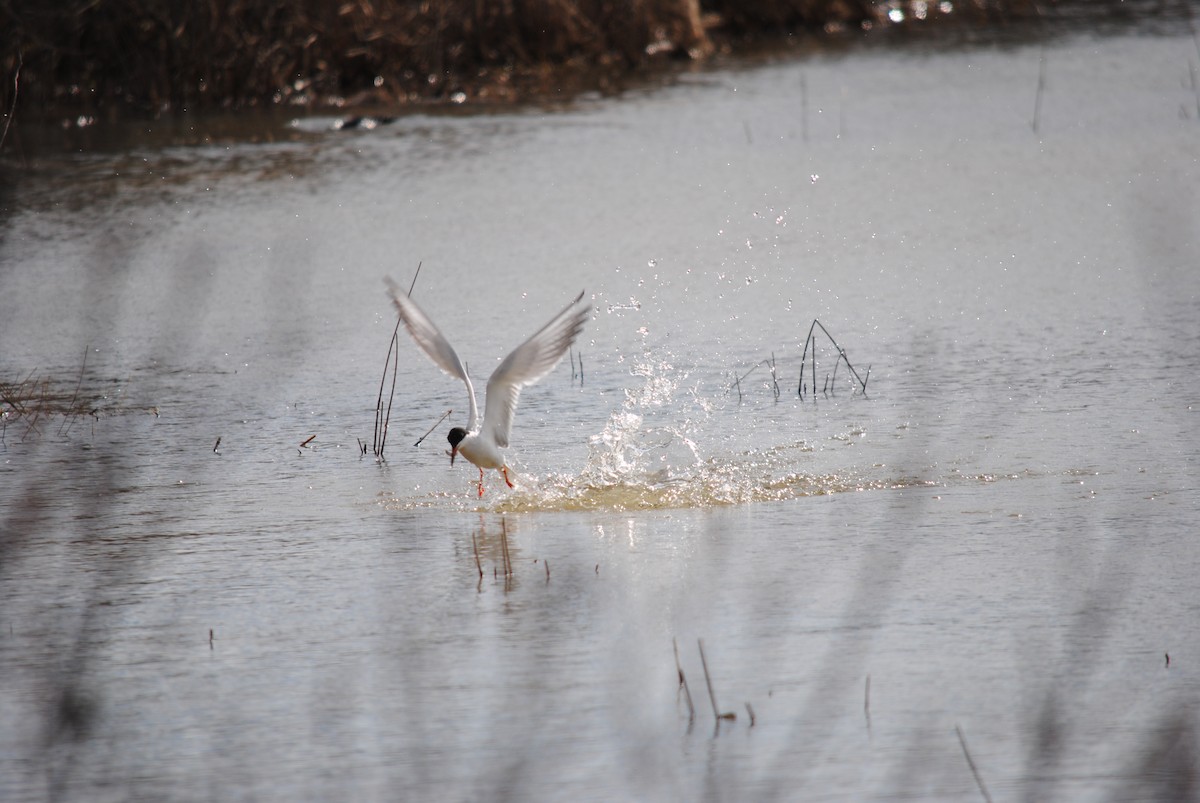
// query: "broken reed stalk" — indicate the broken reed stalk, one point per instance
point(804, 358)
point(962, 740)
point(811, 343)
point(380, 423)
point(475, 546)
point(391, 393)
point(711, 696)
point(393, 356)
point(737, 380)
point(431, 429)
point(687, 693)
point(508, 571)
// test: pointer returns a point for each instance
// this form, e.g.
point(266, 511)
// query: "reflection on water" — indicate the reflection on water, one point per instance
point(206, 590)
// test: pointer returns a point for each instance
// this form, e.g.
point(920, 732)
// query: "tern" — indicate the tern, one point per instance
point(481, 443)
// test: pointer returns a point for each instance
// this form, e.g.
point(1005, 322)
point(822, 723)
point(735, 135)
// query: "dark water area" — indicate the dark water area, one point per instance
point(989, 553)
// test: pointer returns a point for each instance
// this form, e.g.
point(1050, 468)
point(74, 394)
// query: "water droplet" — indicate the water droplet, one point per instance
point(653, 263)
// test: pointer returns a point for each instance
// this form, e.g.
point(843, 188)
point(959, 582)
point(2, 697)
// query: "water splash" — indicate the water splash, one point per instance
point(663, 449)
point(650, 456)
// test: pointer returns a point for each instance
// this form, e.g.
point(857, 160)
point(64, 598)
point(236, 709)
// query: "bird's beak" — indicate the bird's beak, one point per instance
point(453, 454)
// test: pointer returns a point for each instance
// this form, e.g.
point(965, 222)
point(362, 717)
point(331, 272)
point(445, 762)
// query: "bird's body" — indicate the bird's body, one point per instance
point(482, 442)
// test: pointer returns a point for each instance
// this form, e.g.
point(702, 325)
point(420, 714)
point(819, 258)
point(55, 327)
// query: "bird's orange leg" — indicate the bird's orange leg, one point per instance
point(504, 471)
point(480, 483)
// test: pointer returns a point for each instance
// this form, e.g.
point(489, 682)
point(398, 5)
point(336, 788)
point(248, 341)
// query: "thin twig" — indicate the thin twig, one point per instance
point(475, 546)
point(391, 394)
point(804, 359)
point(508, 572)
point(841, 353)
point(711, 696)
point(381, 421)
point(682, 681)
point(752, 369)
point(376, 447)
point(962, 740)
point(431, 429)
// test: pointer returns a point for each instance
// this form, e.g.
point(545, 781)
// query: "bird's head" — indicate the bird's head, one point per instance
point(455, 437)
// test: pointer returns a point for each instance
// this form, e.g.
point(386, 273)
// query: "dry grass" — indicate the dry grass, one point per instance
point(33, 406)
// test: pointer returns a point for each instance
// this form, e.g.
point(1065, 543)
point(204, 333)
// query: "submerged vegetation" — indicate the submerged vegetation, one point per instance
point(97, 57)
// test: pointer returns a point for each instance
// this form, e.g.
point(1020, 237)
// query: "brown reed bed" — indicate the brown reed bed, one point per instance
point(105, 57)
point(30, 405)
point(34, 405)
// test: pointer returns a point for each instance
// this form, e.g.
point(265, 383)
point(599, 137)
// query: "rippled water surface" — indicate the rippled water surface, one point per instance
point(207, 590)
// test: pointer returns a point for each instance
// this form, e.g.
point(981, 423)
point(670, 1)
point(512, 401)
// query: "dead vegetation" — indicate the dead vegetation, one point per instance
point(152, 56)
point(34, 405)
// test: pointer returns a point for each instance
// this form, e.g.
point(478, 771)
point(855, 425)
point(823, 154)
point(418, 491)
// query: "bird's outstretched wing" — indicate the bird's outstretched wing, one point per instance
point(435, 345)
point(528, 363)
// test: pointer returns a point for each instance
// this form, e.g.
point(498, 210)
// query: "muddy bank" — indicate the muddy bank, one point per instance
point(132, 55)
point(84, 60)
